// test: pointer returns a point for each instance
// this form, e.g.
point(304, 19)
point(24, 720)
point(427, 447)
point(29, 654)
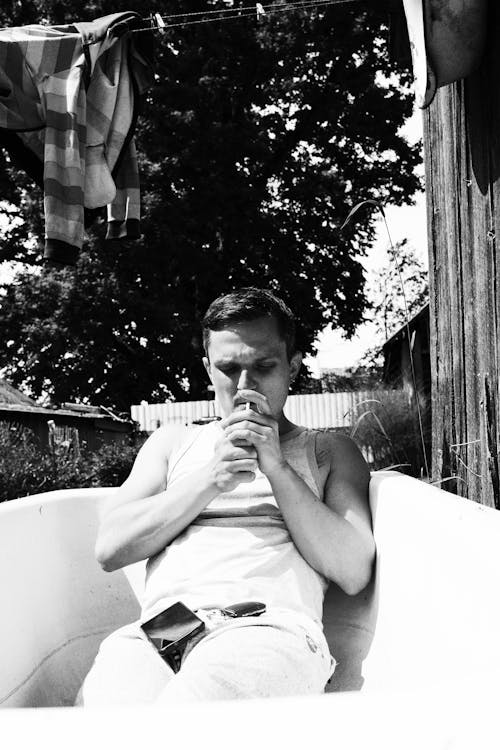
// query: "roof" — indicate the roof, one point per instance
point(13, 401)
point(401, 332)
point(10, 395)
point(32, 408)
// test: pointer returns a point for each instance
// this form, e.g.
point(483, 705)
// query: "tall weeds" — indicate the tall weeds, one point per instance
point(387, 430)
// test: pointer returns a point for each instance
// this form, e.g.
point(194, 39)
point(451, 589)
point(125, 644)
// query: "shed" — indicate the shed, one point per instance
point(397, 364)
point(398, 373)
point(94, 425)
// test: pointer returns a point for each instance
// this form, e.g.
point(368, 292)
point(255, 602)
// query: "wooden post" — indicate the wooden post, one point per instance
point(462, 161)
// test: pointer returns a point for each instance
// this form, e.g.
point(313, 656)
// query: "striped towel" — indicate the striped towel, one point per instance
point(68, 99)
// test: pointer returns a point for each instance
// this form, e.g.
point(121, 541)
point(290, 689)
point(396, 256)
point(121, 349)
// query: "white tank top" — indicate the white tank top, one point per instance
point(238, 548)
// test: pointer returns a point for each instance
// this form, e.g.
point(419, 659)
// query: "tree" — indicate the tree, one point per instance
point(254, 143)
point(400, 289)
point(356, 378)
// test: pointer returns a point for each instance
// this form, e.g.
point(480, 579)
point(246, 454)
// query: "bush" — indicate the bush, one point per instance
point(22, 468)
point(387, 431)
point(111, 465)
point(27, 468)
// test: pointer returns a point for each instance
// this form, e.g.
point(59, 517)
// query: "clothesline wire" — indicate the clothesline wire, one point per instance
point(268, 7)
point(227, 14)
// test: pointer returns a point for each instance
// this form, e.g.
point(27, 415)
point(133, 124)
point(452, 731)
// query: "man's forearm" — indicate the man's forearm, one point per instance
point(140, 528)
point(329, 543)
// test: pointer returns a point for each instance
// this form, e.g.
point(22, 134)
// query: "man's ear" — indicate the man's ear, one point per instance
point(206, 364)
point(295, 364)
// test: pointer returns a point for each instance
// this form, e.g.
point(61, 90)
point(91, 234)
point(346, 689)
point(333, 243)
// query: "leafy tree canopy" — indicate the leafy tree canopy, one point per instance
point(254, 143)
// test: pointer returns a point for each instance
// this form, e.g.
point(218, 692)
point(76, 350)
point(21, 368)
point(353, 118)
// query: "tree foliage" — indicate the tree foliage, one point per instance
point(353, 379)
point(254, 143)
point(399, 290)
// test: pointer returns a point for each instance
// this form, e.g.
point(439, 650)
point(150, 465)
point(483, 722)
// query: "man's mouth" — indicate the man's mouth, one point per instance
point(240, 404)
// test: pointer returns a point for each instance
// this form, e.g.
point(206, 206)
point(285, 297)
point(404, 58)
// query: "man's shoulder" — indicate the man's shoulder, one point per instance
point(165, 439)
point(170, 437)
point(332, 446)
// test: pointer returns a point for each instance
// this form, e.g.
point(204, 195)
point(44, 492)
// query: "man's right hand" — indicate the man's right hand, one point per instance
point(232, 464)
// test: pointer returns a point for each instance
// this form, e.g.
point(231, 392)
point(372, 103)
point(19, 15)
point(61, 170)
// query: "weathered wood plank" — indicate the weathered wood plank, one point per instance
point(462, 157)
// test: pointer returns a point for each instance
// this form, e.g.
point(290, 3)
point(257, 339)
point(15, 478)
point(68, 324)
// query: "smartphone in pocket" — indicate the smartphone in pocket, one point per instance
point(171, 629)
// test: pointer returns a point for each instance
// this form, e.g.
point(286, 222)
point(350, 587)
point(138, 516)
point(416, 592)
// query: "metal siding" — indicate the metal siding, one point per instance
point(315, 410)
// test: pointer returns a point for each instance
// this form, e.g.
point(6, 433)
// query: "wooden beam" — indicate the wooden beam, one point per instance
point(462, 160)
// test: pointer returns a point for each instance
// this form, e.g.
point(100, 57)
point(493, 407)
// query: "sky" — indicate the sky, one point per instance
point(333, 349)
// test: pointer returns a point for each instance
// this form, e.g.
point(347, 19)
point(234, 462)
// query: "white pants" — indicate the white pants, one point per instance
point(251, 657)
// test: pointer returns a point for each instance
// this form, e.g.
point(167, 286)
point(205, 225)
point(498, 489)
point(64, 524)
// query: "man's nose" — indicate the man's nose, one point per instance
point(245, 380)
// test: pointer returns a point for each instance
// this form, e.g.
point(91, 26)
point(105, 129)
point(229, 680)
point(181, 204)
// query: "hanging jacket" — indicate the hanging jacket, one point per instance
point(68, 106)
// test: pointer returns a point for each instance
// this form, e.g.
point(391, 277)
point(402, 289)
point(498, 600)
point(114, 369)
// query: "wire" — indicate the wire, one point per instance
point(224, 14)
point(228, 14)
point(266, 8)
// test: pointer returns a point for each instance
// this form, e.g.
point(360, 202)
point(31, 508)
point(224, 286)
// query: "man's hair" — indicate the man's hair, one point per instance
point(249, 303)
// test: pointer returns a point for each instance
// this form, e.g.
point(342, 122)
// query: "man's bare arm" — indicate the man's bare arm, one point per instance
point(138, 521)
point(144, 515)
point(335, 537)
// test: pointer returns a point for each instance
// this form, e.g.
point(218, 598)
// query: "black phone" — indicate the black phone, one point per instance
point(172, 628)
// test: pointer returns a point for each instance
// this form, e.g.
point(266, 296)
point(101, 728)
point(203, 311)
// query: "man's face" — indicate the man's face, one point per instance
point(250, 355)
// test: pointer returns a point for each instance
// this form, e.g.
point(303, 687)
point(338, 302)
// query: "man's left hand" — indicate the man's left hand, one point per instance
point(256, 426)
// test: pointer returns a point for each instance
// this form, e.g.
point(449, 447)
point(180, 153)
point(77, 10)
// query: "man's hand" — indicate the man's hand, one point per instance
point(232, 464)
point(257, 428)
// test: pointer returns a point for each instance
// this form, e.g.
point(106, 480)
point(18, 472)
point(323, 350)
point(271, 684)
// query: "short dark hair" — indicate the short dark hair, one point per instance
point(250, 303)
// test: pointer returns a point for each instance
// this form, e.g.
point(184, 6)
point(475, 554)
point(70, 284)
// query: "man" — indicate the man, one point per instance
point(248, 509)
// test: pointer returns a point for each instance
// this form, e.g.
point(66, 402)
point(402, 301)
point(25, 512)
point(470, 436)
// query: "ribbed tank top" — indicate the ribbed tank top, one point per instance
point(238, 548)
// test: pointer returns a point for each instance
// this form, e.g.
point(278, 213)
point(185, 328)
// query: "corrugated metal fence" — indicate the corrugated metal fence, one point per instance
point(310, 410)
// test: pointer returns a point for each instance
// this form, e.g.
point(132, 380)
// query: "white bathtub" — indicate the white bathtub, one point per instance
point(425, 633)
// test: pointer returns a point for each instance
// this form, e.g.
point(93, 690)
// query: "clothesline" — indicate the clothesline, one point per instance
point(158, 22)
point(226, 14)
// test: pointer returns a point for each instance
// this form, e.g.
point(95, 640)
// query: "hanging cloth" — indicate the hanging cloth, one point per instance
point(68, 107)
point(447, 40)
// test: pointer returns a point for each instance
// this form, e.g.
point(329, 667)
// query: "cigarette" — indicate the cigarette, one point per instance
point(249, 406)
